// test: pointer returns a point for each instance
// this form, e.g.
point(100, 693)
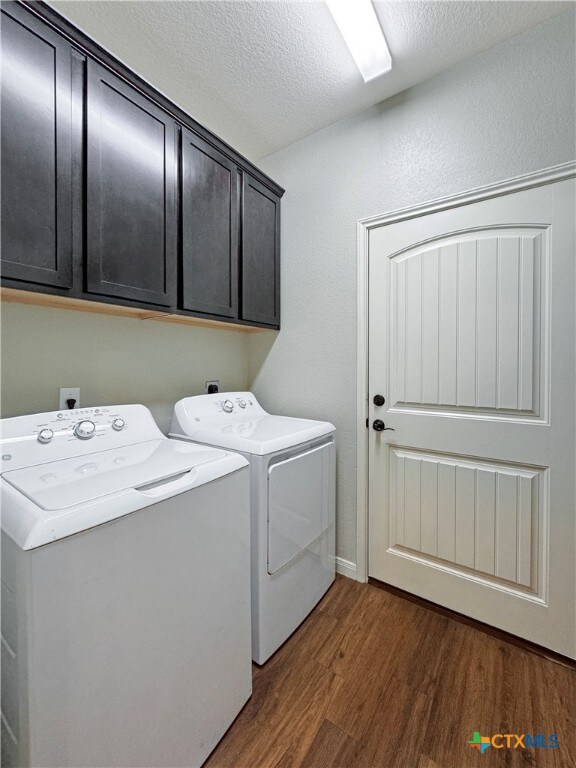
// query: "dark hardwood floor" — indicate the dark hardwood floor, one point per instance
point(371, 680)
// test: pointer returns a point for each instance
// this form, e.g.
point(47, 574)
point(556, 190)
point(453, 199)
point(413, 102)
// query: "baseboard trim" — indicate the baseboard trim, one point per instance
point(346, 568)
point(500, 634)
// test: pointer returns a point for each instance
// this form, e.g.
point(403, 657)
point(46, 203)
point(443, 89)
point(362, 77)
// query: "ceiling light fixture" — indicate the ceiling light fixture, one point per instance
point(360, 28)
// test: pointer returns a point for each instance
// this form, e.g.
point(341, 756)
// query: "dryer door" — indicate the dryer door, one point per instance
point(300, 503)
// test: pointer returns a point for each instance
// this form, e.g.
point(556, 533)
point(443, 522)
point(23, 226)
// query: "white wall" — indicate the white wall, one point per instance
point(507, 111)
point(112, 359)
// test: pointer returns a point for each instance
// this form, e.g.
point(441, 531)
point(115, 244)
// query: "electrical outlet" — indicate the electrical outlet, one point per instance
point(209, 386)
point(69, 393)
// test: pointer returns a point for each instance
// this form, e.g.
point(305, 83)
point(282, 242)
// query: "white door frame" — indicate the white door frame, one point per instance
point(516, 184)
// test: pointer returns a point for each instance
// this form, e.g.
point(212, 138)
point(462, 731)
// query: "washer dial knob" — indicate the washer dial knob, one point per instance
point(227, 406)
point(242, 403)
point(45, 435)
point(85, 430)
point(118, 424)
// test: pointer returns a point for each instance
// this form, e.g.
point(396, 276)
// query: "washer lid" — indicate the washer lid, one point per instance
point(260, 435)
point(81, 480)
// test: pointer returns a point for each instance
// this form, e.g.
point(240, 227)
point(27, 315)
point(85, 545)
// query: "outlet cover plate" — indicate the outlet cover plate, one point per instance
point(69, 393)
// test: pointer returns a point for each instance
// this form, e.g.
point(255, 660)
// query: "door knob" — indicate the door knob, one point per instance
point(379, 400)
point(379, 426)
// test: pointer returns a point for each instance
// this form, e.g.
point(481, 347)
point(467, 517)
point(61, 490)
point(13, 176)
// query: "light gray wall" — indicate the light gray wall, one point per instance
point(505, 112)
point(112, 359)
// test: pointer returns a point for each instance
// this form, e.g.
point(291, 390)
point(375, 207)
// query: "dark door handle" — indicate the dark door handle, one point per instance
point(379, 400)
point(379, 426)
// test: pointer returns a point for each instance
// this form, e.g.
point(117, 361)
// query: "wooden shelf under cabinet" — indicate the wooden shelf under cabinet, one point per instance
point(81, 305)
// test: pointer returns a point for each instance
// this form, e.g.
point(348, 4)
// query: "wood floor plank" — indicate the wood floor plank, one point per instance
point(331, 747)
point(340, 599)
point(307, 642)
point(278, 719)
point(397, 730)
point(304, 722)
point(364, 610)
point(467, 693)
point(425, 762)
point(371, 680)
point(353, 708)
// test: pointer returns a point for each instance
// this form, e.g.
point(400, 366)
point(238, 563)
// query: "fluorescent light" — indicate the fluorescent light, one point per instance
point(363, 35)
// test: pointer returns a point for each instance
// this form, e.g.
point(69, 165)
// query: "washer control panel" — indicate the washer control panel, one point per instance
point(41, 437)
point(81, 424)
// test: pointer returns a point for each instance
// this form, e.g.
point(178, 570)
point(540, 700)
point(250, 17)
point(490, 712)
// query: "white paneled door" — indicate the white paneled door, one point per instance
point(472, 345)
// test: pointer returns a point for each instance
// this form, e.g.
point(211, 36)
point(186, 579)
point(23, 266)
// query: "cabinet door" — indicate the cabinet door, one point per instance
point(36, 152)
point(260, 253)
point(131, 190)
point(209, 229)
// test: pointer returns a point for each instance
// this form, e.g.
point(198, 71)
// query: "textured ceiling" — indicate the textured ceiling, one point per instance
point(263, 74)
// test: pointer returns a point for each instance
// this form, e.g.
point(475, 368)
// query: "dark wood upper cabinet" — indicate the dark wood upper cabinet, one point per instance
point(209, 200)
point(131, 223)
point(260, 253)
point(112, 194)
point(36, 152)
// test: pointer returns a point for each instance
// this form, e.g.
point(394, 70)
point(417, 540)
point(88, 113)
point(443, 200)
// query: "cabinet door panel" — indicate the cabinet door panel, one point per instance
point(260, 254)
point(131, 179)
point(209, 229)
point(36, 152)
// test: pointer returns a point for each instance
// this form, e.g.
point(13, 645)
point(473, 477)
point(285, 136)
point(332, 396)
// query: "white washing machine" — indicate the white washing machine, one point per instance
point(292, 475)
point(125, 591)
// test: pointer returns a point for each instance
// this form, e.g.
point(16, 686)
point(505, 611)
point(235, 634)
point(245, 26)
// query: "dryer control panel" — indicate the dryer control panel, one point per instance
point(236, 421)
point(221, 407)
point(236, 403)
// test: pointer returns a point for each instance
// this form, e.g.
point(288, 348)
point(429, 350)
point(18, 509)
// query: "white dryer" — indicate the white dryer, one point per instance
point(125, 591)
point(292, 475)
